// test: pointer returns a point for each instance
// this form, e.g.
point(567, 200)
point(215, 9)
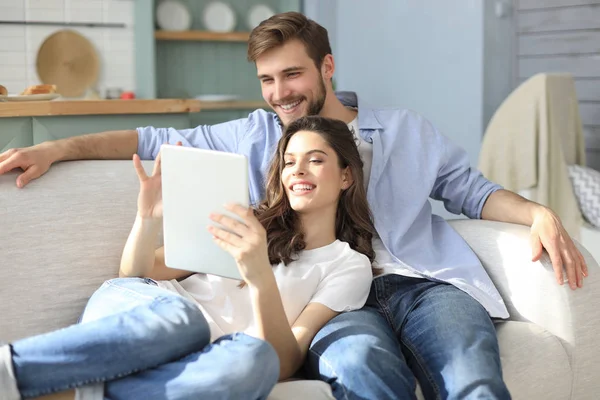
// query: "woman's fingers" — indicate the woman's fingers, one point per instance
point(247, 215)
point(137, 164)
point(157, 165)
point(227, 237)
point(231, 224)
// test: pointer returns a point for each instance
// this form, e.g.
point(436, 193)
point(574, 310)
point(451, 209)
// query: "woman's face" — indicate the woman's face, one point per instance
point(311, 174)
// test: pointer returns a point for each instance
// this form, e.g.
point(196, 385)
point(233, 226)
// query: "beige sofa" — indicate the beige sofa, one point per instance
point(62, 236)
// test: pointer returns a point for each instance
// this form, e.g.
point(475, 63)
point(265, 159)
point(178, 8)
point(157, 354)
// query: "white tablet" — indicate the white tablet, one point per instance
point(196, 182)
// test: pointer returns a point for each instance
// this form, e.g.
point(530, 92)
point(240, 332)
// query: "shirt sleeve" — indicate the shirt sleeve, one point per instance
point(346, 284)
point(222, 137)
point(463, 189)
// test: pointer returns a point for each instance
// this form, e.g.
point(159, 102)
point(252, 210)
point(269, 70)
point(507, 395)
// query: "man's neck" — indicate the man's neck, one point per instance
point(333, 108)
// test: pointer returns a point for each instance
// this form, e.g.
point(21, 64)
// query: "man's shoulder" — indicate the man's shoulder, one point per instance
point(263, 117)
point(396, 118)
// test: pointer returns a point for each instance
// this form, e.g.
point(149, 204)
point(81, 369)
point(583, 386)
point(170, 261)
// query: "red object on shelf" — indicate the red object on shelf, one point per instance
point(127, 95)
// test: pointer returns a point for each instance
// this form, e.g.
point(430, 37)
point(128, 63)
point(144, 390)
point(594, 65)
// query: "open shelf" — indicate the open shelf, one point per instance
point(202, 36)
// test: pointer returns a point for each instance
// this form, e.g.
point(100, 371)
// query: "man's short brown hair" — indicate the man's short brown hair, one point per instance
point(281, 28)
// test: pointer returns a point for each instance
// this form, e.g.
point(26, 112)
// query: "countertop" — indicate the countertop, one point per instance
point(112, 107)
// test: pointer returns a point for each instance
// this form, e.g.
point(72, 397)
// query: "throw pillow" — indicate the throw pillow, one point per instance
point(586, 185)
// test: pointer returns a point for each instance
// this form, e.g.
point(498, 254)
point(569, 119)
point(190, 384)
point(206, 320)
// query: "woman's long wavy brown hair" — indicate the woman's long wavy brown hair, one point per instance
point(353, 223)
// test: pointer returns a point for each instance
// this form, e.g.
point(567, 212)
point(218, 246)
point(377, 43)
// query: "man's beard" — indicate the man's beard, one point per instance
point(314, 107)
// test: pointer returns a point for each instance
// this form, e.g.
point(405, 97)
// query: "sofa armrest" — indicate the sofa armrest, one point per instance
point(531, 293)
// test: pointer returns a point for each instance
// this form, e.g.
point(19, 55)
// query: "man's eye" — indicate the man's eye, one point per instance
point(293, 74)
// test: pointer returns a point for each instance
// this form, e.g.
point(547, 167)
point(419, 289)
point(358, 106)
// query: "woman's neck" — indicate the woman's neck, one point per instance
point(319, 229)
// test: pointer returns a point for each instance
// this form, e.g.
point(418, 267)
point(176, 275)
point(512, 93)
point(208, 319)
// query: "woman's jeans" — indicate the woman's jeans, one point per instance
point(410, 329)
point(146, 343)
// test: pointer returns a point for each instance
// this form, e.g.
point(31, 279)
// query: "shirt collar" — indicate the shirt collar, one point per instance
point(366, 116)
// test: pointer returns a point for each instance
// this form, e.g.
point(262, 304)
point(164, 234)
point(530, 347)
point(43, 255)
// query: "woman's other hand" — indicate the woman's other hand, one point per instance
point(150, 196)
point(246, 241)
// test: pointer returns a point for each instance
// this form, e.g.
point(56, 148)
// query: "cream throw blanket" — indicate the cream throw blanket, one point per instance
point(531, 139)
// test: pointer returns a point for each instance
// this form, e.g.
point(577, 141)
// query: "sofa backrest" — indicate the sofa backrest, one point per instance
point(60, 237)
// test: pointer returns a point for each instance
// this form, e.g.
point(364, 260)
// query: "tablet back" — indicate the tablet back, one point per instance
point(196, 182)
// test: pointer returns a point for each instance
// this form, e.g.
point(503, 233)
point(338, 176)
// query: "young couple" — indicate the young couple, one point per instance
point(429, 314)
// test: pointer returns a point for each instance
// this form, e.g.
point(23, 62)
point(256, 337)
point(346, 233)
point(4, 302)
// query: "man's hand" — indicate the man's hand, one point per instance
point(34, 161)
point(548, 232)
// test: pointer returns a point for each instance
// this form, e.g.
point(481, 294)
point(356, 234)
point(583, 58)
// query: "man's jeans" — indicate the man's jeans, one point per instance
point(145, 343)
point(410, 328)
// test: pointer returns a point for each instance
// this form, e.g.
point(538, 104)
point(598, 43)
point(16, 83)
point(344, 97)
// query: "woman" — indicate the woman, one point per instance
point(305, 256)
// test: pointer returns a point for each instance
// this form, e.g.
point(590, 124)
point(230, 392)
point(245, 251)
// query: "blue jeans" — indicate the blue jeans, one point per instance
point(410, 329)
point(144, 342)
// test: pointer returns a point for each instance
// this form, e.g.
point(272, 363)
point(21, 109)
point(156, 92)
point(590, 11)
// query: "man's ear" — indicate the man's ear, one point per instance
point(347, 179)
point(327, 67)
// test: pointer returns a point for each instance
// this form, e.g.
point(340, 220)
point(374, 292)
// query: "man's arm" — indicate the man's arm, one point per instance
point(36, 160)
point(465, 189)
point(547, 232)
point(506, 206)
point(146, 141)
point(112, 145)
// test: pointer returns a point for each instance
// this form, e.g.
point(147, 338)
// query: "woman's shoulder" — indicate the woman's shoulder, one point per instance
point(338, 254)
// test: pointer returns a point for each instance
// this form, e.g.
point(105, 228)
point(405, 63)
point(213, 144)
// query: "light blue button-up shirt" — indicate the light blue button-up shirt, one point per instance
point(412, 161)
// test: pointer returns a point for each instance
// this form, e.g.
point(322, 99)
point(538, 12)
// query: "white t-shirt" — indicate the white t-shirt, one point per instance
point(383, 258)
point(334, 275)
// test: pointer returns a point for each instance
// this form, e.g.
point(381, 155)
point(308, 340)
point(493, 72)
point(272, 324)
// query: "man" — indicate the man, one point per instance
point(429, 315)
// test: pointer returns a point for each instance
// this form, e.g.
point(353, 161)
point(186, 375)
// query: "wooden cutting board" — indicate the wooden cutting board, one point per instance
point(68, 60)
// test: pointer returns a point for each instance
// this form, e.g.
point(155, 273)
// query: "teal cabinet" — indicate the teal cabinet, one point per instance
point(28, 131)
point(185, 69)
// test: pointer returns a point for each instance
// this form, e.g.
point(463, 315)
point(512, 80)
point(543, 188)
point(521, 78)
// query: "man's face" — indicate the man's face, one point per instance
point(290, 82)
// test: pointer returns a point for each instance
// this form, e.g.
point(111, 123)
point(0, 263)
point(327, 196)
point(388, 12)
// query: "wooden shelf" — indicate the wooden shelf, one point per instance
point(203, 36)
point(97, 107)
point(233, 105)
point(112, 107)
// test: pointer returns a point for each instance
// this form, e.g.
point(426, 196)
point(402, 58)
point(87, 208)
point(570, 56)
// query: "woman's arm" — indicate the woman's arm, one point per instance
point(291, 343)
point(140, 259)
point(272, 325)
point(138, 255)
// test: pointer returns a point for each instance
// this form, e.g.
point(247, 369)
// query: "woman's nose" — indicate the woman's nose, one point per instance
point(298, 169)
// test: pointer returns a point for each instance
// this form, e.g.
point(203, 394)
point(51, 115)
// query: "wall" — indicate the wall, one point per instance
point(449, 61)
point(498, 49)
point(19, 44)
point(564, 36)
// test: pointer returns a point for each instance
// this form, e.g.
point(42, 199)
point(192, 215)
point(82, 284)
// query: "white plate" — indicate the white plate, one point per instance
point(258, 14)
point(217, 97)
point(219, 17)
point(173, 16)
point(30, 97)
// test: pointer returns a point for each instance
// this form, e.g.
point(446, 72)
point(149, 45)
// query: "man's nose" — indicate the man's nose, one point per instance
point(281, 91)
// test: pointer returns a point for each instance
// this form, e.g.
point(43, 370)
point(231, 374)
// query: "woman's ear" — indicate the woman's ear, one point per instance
point(347, 179)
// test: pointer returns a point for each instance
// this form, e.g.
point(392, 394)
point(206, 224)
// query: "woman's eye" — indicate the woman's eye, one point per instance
point(288, 163)
point(316, 161)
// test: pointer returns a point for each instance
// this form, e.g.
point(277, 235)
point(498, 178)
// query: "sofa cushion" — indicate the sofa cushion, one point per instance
point(586, 185)
point(532, 358)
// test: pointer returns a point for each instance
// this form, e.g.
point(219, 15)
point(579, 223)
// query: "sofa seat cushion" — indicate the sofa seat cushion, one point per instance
point(532, 359)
